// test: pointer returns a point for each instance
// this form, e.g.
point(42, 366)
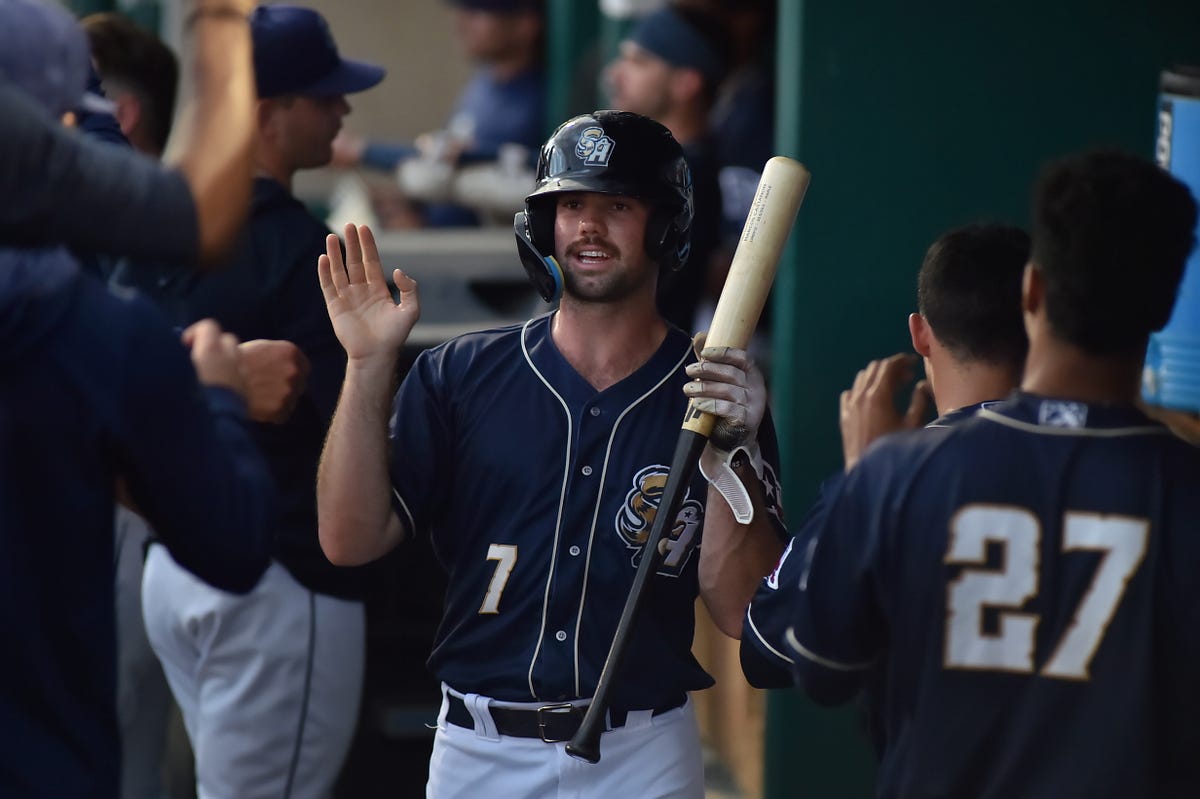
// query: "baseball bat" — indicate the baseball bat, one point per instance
point(780, 192)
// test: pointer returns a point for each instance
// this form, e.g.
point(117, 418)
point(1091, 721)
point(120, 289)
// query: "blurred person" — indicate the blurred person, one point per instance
point(60, 188)
point(139, 73)
point(252, 674)
point(669, 68)
point(78, 411)
point(502, 103)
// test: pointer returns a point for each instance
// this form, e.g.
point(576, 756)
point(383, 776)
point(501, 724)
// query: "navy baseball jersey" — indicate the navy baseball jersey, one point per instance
point(538, 492)
point(764, 654)
point(1025, 583)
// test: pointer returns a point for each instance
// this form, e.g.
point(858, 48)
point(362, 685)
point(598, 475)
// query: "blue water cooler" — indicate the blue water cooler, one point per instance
point(1172, 375)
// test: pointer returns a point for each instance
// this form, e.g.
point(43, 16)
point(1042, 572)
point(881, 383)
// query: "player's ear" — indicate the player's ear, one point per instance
point(921, 335)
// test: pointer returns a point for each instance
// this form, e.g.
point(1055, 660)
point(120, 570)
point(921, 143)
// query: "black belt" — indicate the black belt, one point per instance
point(552, 723)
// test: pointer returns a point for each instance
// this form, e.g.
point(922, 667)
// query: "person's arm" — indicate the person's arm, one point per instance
point(734, 555)
point(764, 651)
point(188, 457)
point(212, 139)
point(354, 511)
point(838, 635)
point(59, 187)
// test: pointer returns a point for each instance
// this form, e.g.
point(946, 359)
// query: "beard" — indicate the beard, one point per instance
point(622, 278)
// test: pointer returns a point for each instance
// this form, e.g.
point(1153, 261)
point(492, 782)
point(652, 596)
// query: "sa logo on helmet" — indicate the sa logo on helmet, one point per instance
point(594, 147)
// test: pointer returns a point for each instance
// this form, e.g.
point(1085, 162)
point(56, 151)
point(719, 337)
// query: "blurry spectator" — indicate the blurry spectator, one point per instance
point(503, 103)
point(131, 407)
point(669, 69)
point(139, 74)
point(263, 708)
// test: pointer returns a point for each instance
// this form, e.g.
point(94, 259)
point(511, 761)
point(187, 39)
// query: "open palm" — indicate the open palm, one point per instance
point(366, 320)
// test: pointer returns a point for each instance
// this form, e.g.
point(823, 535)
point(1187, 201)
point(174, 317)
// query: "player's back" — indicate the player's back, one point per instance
point(1060, 649)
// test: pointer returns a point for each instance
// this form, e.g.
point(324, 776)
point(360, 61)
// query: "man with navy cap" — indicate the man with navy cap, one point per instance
point(269, 683)
point(669, 68)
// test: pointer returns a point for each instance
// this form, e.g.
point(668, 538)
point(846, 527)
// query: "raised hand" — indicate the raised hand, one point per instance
point(367, 322)
point(868, 408)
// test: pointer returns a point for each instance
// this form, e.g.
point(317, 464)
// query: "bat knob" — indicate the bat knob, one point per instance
point(584, 750)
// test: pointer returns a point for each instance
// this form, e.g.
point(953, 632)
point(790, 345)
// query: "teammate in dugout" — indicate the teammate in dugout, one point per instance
point(534, 456)
point(1025, 581)
point(969, 332)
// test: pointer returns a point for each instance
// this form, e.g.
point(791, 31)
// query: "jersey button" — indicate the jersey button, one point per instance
point(595, 411)
point(574, 550)
point(586, 470)
point(561, 635)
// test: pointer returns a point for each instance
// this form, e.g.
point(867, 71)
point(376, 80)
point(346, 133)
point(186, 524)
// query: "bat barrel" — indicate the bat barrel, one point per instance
point(776, 201)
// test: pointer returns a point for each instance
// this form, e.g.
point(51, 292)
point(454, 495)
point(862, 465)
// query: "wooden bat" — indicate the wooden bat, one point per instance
point(780, 192)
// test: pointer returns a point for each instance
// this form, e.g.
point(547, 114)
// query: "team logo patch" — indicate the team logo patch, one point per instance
point(636, 517)
point(594, 147)
point(1060, 413)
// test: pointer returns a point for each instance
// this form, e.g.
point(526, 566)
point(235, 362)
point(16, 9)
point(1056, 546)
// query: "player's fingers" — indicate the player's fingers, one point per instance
point(889, 373)
point(918, 406)
point(410, 299)
point(730, 355)
point(732, 411)
point(721, 372)
point(202, 334)
point(844, 403)
point(716, 389)
point(325, 278)
point(355, 272)
point(698, 342)
point(337, 271)
point(863, 380)
point(372, 266)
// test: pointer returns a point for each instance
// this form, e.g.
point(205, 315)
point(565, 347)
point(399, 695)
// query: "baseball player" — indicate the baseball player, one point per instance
point(534, 455)
point(253, 674)
point(969, 332)
point(1023, 584)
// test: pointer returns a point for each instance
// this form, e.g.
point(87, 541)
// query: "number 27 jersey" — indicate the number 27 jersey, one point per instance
point(1025, 587)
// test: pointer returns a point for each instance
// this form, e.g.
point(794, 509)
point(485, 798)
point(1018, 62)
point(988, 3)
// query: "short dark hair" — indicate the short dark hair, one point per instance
point(969, 291)
point(139, 62)
point(1111, 236)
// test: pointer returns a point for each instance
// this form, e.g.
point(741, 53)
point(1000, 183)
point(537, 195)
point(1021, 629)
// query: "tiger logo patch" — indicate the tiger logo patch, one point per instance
point(636, 518)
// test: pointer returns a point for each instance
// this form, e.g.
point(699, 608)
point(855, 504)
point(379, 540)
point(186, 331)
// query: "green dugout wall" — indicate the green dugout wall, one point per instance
point(913, 118)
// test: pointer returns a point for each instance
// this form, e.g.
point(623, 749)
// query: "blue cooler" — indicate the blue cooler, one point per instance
point(1172, 375)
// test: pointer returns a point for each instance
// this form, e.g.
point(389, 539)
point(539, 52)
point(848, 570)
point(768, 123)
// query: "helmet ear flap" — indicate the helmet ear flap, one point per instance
point(667, 239)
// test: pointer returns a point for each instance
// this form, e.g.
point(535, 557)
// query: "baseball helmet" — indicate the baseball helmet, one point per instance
point(608, 152)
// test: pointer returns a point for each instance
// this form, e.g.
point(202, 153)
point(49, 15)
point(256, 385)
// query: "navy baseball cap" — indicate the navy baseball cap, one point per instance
point(294, 53)
point(44, 53)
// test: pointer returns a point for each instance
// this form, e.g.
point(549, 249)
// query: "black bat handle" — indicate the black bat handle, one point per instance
point(585, 745)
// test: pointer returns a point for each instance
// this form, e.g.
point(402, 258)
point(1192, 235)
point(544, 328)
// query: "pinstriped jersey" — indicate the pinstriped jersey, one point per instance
point(1026, 584)
point(537, 491)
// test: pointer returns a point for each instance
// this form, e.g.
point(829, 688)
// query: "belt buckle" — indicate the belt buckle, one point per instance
point(560, 709)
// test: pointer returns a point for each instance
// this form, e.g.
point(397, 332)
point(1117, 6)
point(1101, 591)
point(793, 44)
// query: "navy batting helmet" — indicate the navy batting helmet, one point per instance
point(609, 152)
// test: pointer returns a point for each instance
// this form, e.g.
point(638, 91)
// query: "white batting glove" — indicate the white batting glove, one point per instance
point(728, 384)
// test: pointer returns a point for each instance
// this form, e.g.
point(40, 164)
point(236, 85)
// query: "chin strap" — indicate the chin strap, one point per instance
point(718, 466)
